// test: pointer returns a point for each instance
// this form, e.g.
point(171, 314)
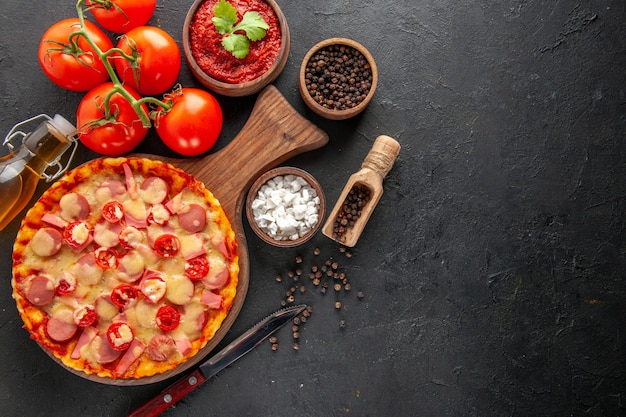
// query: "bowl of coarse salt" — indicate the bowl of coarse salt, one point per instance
point(285, 206)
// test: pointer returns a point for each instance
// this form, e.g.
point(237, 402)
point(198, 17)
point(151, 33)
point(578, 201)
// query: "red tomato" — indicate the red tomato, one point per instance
point(73, 65)
point(124, 295)
point(157, 60)
point(113, 211)
point(77, 234)
point(66, 283)
point(85, 316)
point(120, 16)
point(106, 258)
point(119, 134)
point(120, 335)
point(166, 245)
point(167, 318)
point(193, 123)
point(197, 268)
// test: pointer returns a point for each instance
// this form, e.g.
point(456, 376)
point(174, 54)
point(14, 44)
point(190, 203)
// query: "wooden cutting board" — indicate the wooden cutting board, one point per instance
point(274, 133)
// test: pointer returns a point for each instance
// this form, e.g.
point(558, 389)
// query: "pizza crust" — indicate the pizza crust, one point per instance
point(88, 350)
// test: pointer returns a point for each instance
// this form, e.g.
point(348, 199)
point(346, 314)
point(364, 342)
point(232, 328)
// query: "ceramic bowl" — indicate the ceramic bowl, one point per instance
point(244, 88)
point(254, 191)
point(330, 112)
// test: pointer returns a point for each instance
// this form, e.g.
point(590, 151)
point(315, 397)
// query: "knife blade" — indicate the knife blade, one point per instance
point(235, 350)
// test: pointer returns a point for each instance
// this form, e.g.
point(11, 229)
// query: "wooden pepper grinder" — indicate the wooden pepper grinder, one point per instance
point(361, 193)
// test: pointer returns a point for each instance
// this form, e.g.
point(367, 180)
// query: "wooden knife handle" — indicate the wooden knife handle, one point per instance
point(170, 396)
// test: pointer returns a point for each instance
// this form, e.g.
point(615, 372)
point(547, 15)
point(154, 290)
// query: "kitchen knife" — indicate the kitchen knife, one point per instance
point(235, 350)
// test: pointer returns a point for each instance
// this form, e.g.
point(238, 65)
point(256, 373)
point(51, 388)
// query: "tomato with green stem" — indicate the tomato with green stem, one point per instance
point(120, 16)
point(154, 60)
point(69, 60)
point(192, 124)
point(107, 122)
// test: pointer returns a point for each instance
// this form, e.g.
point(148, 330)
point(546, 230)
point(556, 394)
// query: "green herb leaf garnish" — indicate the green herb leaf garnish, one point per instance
point(252, 24)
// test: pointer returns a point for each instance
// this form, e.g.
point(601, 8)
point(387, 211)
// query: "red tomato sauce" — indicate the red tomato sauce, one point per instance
point(217, 62)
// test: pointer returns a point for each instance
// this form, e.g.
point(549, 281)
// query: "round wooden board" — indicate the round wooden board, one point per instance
point(285, 134)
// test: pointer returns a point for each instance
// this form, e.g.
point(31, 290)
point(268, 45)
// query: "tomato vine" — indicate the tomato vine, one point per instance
point(118, 87)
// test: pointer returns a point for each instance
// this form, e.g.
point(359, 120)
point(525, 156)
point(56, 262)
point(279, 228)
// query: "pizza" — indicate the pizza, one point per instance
point(125, 268)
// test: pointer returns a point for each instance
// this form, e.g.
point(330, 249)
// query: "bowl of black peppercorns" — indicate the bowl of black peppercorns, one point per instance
point(338, 78)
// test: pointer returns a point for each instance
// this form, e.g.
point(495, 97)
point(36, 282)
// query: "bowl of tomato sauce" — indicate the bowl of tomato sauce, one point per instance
point(256, 65)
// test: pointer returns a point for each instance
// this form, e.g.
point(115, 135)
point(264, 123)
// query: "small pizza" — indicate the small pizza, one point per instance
point(125, 268)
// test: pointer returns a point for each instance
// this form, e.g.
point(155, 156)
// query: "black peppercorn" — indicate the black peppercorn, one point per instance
point(338, 77)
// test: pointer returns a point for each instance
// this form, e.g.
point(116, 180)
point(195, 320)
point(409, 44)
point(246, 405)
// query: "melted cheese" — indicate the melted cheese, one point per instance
point(180, 289)
point(136, 209)
point(145, 313)
point(43, 244)
point(132, 264)
point(70, 206)
point(155, 192)
point(80, 233)
point(105, 236)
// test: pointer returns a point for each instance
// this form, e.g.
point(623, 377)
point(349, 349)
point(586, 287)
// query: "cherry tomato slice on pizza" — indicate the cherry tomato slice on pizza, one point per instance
point(124, 295)
point(197, 268)
point(113, 211)
point(66, 283)
point(167, 318)
point(166, 245)
point(77, 234)
point(120, 335)
point(106, 258)
point(85, 316)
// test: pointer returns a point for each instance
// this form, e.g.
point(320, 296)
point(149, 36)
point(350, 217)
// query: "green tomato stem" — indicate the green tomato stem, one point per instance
point(118, 87)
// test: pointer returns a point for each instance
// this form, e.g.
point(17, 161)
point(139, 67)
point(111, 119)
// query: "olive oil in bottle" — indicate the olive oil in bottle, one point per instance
point(24, 166)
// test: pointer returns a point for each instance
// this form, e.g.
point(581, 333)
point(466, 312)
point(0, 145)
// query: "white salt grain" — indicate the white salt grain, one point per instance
point(286, 207)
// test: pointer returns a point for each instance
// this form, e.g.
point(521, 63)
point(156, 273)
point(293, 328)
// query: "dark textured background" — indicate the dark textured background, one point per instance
point(493, 268)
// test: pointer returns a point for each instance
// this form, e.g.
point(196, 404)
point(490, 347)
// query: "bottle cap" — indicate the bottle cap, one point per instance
point(64, 126)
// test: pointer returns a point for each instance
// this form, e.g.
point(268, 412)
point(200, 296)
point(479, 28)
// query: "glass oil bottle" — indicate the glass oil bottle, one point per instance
point(40, 151)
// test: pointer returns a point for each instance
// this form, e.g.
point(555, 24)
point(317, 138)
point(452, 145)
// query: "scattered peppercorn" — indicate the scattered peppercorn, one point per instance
point(325, 274)
point(274, 343)
point(338, 77)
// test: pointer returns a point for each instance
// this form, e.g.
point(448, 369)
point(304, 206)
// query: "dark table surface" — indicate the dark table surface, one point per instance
point(493, 267)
